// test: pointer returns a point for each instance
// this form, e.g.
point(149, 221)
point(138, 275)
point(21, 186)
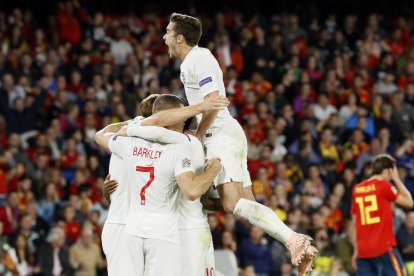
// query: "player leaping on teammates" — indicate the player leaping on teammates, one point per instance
point(223, 136)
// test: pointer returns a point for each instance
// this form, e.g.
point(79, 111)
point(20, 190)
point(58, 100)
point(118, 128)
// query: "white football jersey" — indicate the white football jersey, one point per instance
point(201, 74)
point(151, 176)
point(119, 199)
point(192, 214)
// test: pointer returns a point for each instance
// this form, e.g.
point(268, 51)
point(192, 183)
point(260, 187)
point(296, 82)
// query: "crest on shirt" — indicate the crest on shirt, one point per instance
point(205, 81)
point(394, 190)
point(114, 138)
point(186, 163)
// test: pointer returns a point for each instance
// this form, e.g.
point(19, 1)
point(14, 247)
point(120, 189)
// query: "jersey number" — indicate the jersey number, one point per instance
point(368, 204)
point(149, 170)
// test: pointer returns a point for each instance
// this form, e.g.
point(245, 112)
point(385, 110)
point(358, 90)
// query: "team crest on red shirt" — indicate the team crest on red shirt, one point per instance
point(186, 163)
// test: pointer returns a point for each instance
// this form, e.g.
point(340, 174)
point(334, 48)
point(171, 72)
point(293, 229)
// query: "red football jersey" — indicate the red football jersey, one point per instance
point(371, 205)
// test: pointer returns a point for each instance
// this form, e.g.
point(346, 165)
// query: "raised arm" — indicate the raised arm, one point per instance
point(173, 116)
point(404, 198)
point(154, 133)
point(102, 137)
point(194, 186)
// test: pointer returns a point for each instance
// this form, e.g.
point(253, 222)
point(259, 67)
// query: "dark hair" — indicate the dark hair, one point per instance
point(382, 162)
point(146, 104)
point(187, 26)
point(164, 102)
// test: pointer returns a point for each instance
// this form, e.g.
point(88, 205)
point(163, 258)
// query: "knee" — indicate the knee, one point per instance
point(229, 204)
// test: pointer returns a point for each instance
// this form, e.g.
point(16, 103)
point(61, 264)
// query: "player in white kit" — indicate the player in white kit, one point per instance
point(223, 136)
point(153, 215)
point(196, 240)
point(114, 243)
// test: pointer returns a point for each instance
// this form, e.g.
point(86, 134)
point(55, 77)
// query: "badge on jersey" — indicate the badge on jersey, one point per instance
point(394, 190)
point(186, 163)
point(114, 138)
point(205, 81)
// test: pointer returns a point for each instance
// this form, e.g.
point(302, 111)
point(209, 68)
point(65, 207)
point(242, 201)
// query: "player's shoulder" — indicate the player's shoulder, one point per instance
point(201, 52)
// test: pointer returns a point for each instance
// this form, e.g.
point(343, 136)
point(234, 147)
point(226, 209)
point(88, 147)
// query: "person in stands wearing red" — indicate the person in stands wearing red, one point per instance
point(372, 216)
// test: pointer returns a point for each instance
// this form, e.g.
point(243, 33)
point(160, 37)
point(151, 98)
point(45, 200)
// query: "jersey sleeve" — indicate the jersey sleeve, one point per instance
point(390, 191)
point(207, 76)
point(157, 134)
point(117, 145)
point(183, 159)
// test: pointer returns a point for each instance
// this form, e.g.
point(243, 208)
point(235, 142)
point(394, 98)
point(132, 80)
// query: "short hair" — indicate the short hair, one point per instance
point(187, 26)
point(146, 104)
point(168, 101)
point(55, 233)
point(382, 162)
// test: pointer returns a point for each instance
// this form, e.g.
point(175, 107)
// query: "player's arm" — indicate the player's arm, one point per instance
point(173, 116)
point(208, 116)
point(194, 186)
point(103, 136)
point(154, 133)
point(404, 197)
point(353, 240)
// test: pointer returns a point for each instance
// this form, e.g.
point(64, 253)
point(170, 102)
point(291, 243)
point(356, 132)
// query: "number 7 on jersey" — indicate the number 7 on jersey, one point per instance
point(149, 170)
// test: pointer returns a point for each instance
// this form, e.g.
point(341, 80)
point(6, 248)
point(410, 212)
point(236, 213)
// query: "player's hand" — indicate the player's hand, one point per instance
point(109, 186)
point(214, 164)
point(354, 260)
point(394, 174)
point(214, 102)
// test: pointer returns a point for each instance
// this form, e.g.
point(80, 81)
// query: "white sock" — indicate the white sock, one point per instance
point(264, 218)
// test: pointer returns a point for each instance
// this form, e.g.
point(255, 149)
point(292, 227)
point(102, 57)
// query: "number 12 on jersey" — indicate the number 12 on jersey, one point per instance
point(367, 205)
point(149, 170)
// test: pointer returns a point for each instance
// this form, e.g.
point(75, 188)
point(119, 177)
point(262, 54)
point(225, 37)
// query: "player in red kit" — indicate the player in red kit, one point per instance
point(372, 215)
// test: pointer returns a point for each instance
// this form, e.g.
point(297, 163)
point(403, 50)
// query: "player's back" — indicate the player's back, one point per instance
point(151, 170)
point(371, 204)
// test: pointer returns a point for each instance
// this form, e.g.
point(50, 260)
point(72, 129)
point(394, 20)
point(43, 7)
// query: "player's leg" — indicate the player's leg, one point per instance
point(367, 267)
point(130, 256)
point(393, 264)
point(162, 258)
point(115, 246)
point(195, 246)
point(248, 193)
point(231, 147)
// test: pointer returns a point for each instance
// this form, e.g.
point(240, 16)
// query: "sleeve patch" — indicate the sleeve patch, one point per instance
point(186, 163)
point(114, 138)
point(205, 81)
point(394, 190)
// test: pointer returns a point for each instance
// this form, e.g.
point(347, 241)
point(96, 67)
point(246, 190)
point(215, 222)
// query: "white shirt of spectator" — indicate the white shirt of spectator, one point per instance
point(201, 75)
point(151, 170)
point(322, 114)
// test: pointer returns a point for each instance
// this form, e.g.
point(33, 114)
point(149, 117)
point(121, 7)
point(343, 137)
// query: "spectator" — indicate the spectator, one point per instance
point(255, 251)
point(85, 256)
point(53, 257)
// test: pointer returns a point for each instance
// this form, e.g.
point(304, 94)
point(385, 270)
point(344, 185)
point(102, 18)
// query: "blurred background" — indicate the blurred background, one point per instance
point(320, 89)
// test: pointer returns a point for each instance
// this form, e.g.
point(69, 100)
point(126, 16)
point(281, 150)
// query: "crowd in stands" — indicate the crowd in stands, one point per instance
point(317, 98)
